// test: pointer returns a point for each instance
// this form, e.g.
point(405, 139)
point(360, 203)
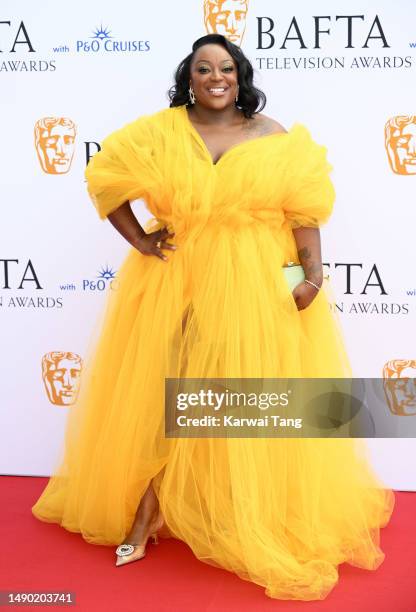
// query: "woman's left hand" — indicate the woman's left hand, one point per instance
point(304, 294)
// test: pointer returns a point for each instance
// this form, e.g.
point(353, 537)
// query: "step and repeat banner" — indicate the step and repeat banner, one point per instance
point(69, 77)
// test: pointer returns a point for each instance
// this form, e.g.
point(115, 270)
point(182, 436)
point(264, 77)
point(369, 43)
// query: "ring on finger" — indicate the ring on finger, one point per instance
point(159, 244)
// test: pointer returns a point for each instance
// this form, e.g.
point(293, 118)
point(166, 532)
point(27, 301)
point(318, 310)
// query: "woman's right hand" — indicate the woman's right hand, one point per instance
point(148, 244)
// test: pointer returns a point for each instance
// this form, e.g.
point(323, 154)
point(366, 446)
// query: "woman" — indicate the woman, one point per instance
point(234, 198)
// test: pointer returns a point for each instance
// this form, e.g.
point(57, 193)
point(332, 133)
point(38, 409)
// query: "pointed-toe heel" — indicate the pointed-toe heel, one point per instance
point(127, 553)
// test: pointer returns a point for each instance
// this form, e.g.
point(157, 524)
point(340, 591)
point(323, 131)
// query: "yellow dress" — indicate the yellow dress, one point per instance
point(282, 513)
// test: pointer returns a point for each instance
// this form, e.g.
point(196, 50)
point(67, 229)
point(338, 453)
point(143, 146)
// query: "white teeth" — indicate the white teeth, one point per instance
point(217, 89)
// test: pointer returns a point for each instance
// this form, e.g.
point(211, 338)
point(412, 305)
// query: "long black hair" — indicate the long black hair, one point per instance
point(250, 99)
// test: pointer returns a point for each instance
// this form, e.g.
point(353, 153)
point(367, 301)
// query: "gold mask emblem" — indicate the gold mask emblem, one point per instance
point(54, 142)
point(226, 17)
point(400, 141)
point(61, 374)
point(400, 386)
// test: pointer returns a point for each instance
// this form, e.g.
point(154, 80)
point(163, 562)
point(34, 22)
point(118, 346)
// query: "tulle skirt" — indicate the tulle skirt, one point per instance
point(280, 512)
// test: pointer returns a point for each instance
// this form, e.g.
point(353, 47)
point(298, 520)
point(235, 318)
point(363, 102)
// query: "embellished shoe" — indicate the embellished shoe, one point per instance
point(127, 553)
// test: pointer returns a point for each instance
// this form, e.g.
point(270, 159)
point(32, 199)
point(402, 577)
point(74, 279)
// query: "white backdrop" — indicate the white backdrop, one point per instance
point(101, 64)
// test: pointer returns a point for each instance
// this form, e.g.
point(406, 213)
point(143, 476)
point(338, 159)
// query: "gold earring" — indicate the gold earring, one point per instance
point(191, 94)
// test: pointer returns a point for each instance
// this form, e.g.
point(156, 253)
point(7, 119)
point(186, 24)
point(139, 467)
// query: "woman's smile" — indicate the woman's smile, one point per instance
point(217, 91)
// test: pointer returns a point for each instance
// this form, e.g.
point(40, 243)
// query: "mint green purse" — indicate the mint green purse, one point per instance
point(294, 274)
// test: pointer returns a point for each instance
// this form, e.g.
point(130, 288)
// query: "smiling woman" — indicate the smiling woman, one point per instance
point(239, 197)
point(214, 80)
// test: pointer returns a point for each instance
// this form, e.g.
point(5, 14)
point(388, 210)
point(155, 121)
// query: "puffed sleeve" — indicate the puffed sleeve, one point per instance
point(310, 194)
point(124, 169)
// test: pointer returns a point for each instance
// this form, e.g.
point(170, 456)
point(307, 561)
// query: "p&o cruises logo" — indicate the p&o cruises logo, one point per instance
point(103, 41)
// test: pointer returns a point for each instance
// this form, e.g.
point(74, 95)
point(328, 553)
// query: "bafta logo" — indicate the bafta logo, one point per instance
point(54, 142)
point(226, 17)
point(400, 386)
point(61, 374)
point(400, 141)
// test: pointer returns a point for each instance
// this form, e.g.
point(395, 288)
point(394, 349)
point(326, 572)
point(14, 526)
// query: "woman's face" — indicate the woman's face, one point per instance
point(214, 77)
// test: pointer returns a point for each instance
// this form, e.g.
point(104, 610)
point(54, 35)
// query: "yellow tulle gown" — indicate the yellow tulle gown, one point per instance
point(282, 513)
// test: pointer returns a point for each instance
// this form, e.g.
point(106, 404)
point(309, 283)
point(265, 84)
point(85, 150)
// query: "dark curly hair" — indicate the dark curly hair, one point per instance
point(250, 99)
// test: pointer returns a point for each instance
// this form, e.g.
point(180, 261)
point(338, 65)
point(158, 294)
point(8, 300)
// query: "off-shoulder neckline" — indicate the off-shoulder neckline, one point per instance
point(277, 135)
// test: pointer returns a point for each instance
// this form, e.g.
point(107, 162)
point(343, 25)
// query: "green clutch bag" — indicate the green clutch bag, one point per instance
point(294, 274)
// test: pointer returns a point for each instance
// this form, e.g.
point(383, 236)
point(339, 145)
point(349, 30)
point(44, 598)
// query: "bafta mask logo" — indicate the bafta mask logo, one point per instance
point(61, 374)
point(400, 386)
point(400, 141)
point(55, 142)
point(226, 17)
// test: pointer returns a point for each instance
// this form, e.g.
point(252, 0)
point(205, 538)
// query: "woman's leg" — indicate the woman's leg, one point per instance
point(146, 514)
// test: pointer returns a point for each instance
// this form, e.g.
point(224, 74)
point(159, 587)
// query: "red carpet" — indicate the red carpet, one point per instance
point(38, 556)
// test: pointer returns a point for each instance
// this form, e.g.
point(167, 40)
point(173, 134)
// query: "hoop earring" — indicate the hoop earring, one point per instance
point(191, 95)
point(236, 97)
